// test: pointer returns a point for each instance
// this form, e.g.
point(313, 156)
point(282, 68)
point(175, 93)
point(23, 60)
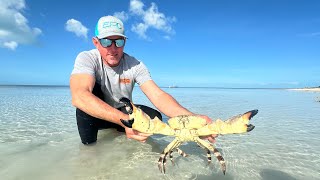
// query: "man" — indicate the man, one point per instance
point(103, 75)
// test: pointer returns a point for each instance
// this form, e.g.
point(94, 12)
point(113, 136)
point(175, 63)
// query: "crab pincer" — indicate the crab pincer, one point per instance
point(251, 114)
point(129, 109)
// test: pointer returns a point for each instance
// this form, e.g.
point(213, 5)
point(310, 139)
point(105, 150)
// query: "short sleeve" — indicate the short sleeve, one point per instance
point(84, 64)
point(142, 74)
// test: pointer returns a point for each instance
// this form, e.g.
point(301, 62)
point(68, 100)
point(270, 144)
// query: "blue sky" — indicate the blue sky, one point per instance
point(219, 43)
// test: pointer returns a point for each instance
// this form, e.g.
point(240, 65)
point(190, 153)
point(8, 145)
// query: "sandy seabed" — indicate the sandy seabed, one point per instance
point(306, 89)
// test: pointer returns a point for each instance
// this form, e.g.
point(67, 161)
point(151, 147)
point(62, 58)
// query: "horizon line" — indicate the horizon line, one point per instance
point(169, 87)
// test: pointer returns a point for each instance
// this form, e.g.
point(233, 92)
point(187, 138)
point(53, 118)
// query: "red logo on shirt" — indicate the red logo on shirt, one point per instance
point(125, 81)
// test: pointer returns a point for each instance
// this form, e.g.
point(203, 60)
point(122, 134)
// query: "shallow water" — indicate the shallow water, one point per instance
point(39, 138)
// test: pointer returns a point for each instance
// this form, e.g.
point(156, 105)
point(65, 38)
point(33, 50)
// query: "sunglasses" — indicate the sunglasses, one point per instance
point(108, 42)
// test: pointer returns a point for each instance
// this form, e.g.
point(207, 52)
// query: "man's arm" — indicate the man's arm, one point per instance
point(81, 86)
point(162, 100)
point(168, 105)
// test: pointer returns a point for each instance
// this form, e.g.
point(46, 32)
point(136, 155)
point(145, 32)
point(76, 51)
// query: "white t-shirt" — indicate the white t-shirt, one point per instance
point(116, 82)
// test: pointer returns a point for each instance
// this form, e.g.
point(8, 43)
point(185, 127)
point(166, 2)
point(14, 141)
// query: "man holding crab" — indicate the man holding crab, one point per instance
point(103, 75)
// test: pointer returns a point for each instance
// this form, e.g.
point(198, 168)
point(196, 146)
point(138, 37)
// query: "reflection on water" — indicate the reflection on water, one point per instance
point(39, 138)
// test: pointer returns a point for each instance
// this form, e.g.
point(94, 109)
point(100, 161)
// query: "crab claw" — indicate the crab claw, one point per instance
point(250, 114)
point(250, 127)
point(127, 123)
point(127, 104)
point(129, 108)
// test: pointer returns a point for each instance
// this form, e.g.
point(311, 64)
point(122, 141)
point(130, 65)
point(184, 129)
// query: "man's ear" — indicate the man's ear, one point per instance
point(95, 41)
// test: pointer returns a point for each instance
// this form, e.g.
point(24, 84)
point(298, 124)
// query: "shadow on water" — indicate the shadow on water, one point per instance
point(27, 148)
point(266, 174)
point(269, 174)
point(106, 135)
point(156, 145)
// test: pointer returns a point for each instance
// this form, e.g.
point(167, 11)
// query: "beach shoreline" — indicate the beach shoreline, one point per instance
point(306, 89)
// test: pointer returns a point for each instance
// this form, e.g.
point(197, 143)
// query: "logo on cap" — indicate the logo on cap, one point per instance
point(111, 24)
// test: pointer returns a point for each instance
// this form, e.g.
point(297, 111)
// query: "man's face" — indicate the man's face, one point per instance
point(111, 55)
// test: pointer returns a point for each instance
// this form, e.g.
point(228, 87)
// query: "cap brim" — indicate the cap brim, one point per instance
point(105, 35)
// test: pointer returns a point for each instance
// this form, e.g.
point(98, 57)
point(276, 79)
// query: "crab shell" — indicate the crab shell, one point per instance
point(187, 128)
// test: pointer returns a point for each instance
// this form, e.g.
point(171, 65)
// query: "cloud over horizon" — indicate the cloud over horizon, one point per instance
point(149, 18)
point(77, 28)
point(14, 28)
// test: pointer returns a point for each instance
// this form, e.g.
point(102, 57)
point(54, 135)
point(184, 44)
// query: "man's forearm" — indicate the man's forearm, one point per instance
point(94, 106)
point(169, 106)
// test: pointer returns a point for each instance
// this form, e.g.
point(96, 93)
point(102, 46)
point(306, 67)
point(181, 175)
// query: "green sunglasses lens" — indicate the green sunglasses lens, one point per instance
point(105, 42)
point(108, 42)
point(119, 42)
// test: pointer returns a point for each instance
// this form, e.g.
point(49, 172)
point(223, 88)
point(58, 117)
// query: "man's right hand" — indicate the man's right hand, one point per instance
point(136, 135)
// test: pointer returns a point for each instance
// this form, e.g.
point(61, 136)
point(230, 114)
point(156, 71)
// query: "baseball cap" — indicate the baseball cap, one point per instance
point(109, 26)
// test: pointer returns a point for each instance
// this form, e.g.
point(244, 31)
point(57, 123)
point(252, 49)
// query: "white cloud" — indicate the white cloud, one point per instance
point(14, 28)
point(167, 37)
point(121, 15)
point(151, 18)
point(10, 45)
point(136, 7)
point(76, 27)
point(140, 29)
point(313, 34)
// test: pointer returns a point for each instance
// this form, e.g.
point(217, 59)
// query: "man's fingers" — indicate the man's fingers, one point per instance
point(141, 134)
point(136, 135)
point(211, 139)
point(138, 138)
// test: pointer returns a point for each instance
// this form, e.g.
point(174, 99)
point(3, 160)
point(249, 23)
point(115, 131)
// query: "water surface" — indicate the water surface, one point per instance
point(39, 138)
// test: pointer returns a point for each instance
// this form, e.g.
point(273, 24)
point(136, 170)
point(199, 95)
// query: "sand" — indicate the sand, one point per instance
point(306, 89)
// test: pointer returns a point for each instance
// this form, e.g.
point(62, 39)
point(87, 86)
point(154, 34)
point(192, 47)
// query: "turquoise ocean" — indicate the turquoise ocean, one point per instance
point(39, 138)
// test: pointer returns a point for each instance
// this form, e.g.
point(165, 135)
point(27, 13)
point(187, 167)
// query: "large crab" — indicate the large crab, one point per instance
point(186, 128)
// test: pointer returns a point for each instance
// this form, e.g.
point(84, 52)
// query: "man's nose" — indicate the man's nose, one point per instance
point(113, 46)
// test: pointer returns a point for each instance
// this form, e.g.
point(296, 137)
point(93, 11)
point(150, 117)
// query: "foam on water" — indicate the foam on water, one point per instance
point(39, 138)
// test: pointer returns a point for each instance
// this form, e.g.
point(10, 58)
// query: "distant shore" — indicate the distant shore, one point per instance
point(306, 89)
point(310, 89)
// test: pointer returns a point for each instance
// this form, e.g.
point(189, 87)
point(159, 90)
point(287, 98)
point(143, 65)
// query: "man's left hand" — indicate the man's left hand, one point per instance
point(211, 138)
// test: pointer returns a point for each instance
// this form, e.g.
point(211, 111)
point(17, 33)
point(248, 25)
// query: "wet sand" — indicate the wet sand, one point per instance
point(306, 89)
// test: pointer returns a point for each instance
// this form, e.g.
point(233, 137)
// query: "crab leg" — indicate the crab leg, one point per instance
point(208, 155)
point(207, 151)
point(171, 157)
point(179, 152)
point(162, 160)
point(218, 155)
point(221, 160)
